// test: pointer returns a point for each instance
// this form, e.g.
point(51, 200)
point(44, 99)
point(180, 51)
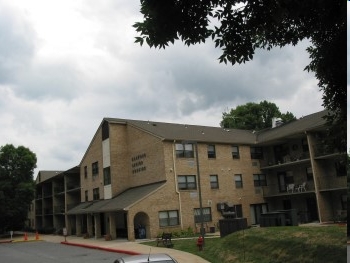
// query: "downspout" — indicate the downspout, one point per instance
point(176, 185)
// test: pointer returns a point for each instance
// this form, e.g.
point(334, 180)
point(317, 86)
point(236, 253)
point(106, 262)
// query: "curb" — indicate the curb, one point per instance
point(101, 248)
point(6, 241)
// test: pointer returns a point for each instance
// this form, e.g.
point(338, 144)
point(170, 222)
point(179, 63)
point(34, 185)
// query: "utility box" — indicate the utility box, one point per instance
point(279, 218)
point(231, 225)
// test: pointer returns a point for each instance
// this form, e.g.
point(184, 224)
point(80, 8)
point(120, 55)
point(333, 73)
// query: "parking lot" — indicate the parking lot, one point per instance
point(44, 252)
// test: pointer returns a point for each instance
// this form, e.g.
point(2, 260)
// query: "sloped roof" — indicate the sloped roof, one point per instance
point(46, 175)
point(185, 132)
point(302, 125)
point(120, 202)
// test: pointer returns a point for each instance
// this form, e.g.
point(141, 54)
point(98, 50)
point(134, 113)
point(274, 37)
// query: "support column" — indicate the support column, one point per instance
point(89, 224)
point(112, 225)
point(97, 233)
point(78, 219)
point(131, 230)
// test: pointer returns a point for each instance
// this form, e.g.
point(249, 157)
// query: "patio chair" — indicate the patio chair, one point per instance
point(290, 187)
point(302, 187)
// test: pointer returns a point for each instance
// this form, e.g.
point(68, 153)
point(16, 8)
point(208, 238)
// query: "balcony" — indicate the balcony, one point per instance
point(59, 209)
point(274, 190)
point(322, 150)
point(329, 183)
point(287, 161)
point(73, 186)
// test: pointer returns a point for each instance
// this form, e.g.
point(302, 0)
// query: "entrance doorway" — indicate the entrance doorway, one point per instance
point(141, 225)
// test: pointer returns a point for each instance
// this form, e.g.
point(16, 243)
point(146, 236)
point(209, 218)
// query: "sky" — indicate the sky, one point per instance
point(65, 65)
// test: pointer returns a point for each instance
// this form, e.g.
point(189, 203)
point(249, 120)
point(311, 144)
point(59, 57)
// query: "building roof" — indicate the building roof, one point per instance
point(121, 202)
point(289, 130)
point(185, 132)
point(46, 175)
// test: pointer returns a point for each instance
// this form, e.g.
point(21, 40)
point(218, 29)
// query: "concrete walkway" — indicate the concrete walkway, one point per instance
point(118, 245)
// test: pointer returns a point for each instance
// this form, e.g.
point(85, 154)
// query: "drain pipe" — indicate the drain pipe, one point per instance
point(176, 185)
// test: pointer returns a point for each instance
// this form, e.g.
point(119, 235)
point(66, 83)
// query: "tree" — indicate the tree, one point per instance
point(254, 116)
point(16, 185)
point(239, 27)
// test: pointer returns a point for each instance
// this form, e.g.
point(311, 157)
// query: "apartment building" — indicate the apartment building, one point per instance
point(140, 178)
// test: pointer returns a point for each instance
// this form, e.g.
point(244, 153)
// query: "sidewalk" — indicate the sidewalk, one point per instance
point(118, 245)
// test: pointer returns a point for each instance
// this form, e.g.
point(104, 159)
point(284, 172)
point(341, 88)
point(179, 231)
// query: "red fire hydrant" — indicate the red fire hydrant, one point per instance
point(200, 243)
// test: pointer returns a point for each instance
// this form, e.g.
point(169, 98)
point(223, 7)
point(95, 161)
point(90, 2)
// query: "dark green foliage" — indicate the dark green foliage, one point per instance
point(254, 116)
point(239, 27)
point(16, 186)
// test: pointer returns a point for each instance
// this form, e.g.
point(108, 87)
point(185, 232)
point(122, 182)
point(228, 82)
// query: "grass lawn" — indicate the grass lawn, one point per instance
point(273, 244)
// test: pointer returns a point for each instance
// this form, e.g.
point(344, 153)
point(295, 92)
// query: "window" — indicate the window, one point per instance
point(238, 181)
point(168, 218)
point(187, 182)
point(235, 152)
point(105, 130)
point(305, 145)
point(96, 193)
point(107, 175)
point(206, 215)
point(256, 153)
point(309, 174)
point(214, 183)
point(184, 150)
point(95, 169)
point(86, 195)
point(260, 180)
point(85, 172)
point(211, 151)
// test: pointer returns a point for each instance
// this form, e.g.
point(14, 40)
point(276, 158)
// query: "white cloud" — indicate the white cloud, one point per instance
point(68, 64)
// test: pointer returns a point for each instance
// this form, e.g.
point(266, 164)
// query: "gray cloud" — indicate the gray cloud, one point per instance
point(17, 44)
point(57, 90)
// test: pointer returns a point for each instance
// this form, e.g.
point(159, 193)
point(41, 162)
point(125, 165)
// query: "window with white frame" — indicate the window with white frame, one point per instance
point(238, 181)
point(211, 151)
point(206, 215)
point(184, 150)
point(187, 182)
point(214, 183)
point(107, 175)
point(168, 218)
point(235, 151)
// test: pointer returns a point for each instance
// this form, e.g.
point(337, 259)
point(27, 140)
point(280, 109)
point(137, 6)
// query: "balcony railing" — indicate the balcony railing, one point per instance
point(59, 209)
point(275, 190)
point(332, 182)
point(48, 211)
point(323, 150)
point(71, 186)
point(70, 206)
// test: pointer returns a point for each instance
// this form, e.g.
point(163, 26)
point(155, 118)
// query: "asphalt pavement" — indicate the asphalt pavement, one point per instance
point(117, 245)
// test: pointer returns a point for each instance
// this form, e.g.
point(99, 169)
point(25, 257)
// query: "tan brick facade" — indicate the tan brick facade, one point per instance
point(142, 155)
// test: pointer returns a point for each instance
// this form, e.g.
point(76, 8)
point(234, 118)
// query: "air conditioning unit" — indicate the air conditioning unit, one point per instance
point(221, 206)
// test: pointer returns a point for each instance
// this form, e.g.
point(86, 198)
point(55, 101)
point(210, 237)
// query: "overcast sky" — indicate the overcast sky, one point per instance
point(64, 65)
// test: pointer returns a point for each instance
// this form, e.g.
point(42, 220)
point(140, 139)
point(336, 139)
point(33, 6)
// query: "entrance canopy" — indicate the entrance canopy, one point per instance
point(121, 202)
